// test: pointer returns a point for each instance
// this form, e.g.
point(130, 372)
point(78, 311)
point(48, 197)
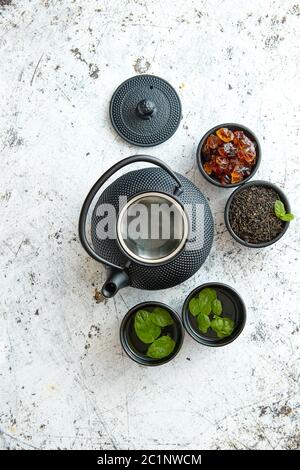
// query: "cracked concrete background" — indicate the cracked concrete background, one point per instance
point(64, 380)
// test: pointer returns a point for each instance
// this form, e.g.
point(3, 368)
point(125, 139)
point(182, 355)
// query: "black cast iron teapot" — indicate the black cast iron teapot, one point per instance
point(152, 228)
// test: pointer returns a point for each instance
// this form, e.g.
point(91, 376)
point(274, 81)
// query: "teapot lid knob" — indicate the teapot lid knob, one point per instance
point(146, 109)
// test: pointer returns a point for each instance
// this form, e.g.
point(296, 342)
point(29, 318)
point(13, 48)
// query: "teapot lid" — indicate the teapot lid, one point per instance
point(145, 110)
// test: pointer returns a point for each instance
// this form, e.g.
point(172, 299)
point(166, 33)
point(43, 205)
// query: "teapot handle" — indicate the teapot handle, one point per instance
point(101, 181)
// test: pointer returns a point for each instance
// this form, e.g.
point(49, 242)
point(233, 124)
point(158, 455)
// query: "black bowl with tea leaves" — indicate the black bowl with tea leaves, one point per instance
point(151, 333)
point(214, 314)
point(257, 214)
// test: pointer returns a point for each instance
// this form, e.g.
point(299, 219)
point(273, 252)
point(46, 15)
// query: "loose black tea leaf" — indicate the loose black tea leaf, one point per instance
point(252, 216)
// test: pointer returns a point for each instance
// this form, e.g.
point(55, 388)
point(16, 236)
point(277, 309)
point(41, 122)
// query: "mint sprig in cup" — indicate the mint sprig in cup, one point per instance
point(207, 308)
point(149, 327)
point(151, 333)
point(281, 212)
point(214, 314)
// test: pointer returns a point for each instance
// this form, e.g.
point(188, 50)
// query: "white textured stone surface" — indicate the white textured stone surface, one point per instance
point(64, 380)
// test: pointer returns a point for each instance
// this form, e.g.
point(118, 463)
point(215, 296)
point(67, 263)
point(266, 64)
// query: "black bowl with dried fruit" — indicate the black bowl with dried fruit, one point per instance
point(228, 155)
point(257, 214)
point(151, 333)
point(214, 314)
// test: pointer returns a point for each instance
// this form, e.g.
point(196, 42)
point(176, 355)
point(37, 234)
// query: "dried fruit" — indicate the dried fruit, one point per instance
point(225, 134)
point(227, 150)
point(237, 136)
point(245, 170)
point(236, 176)
point(225, 179)
point(207, 168)
point(229, 155)
point(213, 141)
point(244, 142)
point(249, 157)
point(206, 151)
point(222, 162)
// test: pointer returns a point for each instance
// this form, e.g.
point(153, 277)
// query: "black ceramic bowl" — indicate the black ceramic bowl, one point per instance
point(135, 348)
point(233, 307)
point(232, 127)
point(282, 197)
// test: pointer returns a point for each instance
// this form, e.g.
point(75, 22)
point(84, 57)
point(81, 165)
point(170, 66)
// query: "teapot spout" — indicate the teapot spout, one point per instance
point(116, 279)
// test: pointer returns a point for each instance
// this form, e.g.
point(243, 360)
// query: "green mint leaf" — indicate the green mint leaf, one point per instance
point(279, 208)
point(228, 326)
point(161, 347)
point(203, 322)
point(287, 217)
point(220, 335)
point(216, 307)
point(194, 306)
point(208, 292)
point(204, 304)
point(281, 213)
point(145, 329)
point(223, 326)
point(217, 324)
point(161, 317)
